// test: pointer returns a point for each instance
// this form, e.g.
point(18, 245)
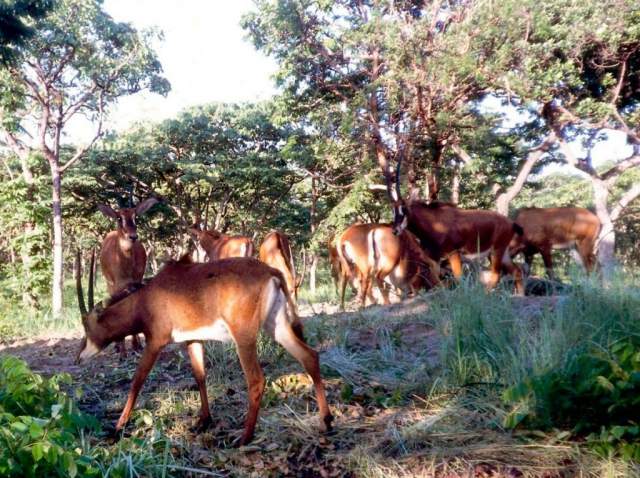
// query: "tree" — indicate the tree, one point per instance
point(579, 62)
point(15, 16)
point(77, 62)
point(386, 65)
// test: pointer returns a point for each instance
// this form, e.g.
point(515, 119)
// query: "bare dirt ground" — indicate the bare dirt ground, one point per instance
point(287, 441)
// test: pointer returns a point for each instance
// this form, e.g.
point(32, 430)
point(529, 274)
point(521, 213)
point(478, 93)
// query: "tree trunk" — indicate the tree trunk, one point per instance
point(313, 218)
point(312, 273)
point(29, 299)
point(58, 258)
point(607, 236)
point(455, 184)
point(433, 177)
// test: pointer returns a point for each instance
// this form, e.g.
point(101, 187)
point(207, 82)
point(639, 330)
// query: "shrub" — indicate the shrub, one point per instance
point(40, 427)
point(597, 396)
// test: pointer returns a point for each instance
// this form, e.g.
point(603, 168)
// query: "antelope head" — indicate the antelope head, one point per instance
point(126, 219)
point(98, 331)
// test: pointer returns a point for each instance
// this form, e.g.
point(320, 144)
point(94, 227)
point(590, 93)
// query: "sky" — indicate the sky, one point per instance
point(204, 54)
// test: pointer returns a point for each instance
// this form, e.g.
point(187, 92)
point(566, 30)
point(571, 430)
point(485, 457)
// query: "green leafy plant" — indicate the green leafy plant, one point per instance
point(41, 429)
point(597, 396)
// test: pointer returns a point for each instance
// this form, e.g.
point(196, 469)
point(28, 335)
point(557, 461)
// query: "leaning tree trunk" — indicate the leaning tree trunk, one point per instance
point(58, 259)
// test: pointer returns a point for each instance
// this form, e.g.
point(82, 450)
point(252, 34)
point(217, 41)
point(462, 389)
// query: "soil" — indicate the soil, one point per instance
point(287, 441)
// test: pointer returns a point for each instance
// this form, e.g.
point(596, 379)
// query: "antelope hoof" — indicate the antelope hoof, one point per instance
point(327, 423)
point(245, 439)
point(202, 424)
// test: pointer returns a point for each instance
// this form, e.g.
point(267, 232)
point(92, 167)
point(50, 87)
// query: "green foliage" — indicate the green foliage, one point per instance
point(596, 395)
point(40, 427)
point(16, 17)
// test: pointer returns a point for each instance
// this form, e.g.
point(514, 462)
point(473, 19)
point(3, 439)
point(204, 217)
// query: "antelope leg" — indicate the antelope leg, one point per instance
point(149, 357)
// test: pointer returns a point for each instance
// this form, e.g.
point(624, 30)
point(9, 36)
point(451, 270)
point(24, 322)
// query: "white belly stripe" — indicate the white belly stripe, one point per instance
point(216, 331)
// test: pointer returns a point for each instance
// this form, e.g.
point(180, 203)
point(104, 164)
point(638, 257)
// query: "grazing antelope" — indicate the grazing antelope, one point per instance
point(226, 300)
point(123, 259)
point(446, 231)
point(400, 261)
point(353, 255)
point(222, 246)
point(556, 228)
point(275, 251)
point(372, 251)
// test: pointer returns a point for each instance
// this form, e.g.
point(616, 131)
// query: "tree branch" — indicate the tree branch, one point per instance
point(76, 157)
point(461, 153)
point(624, 201)
point(503, 200)
point(615, 171)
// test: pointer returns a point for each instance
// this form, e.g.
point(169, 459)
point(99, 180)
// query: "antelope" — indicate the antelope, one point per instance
point(275, 251)
point(446, 231)
point(222, 246)
point(226, 300)
point(401, 261)
point(123, 259)
point(556, 228)
point(376, 253)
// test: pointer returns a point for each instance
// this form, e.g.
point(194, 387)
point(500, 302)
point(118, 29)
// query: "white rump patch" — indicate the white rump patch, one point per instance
point(348, 252)
point(216, 331)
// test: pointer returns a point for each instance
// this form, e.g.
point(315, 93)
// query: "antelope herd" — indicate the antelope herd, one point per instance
point(232, 295)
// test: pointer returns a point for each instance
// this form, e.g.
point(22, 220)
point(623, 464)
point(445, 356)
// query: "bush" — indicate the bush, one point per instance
point(41, 429)
point(597, 396)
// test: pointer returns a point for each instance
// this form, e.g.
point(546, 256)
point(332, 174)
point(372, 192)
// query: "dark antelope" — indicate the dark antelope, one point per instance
point(446, 231)
point(226, 300)
point(123, 259)
point(556, 228)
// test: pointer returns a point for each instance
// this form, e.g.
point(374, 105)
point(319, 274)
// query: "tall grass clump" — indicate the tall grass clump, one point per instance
point(494, 337)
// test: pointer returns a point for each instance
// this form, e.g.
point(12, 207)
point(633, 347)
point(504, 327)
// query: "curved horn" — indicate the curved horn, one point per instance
point(92, 270)
point(78, 274)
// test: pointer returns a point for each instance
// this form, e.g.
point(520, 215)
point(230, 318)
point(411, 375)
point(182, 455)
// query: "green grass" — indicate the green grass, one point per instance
point(416, 388)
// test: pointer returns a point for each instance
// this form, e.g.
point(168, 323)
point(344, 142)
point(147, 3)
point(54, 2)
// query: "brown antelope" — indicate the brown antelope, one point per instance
point(556, 228)
point(446, 231)
point(372, 251)
point(400, 261)
point(122, 257)
point(222, 246)
point(226, 300)
point(275, 251)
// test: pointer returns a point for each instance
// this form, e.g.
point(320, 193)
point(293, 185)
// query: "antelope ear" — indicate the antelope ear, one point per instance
point(107, 211)
point(145, 205)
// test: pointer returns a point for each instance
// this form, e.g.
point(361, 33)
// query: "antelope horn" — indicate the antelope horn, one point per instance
point(92, 269)
point(78, 273)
